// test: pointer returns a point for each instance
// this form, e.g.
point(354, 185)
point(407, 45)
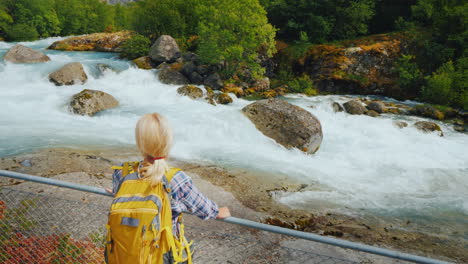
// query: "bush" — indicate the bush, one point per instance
point(22, 32)
point(137, 46)
point(410, 77)
point(448, 85)
point(302, 84)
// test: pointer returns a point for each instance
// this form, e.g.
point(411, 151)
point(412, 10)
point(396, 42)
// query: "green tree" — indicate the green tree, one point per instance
point(21, 32)
point(137, 46)
point(153, 18)
point(233, 32)
point(409, 76)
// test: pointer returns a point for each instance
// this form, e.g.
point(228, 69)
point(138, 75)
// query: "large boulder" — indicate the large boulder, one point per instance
point(190, 91)
point(164, 49)
point(69, 74)
point(429, 127)
point(89, 102)
point(214, 81)
point(354, 107)
point(107, 42)
point(23, 54)
point(168, 75)
point(287, 124)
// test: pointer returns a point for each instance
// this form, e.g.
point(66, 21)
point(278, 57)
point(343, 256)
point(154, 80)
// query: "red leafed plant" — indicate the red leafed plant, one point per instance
point(52, 249)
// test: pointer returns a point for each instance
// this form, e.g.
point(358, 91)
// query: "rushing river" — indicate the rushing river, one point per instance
point(365, 165)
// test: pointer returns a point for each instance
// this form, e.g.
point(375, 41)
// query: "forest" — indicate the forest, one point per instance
point(234, 33)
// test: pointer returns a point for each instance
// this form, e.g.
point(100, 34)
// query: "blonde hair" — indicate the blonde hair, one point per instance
point(154, 139)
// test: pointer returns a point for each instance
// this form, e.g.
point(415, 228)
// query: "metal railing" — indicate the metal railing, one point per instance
point(65, 244)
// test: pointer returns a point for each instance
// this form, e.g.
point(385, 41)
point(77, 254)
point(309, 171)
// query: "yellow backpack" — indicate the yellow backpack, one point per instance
point(139, 228)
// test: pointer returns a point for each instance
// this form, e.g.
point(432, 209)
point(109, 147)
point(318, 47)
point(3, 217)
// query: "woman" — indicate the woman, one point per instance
point(154, 141)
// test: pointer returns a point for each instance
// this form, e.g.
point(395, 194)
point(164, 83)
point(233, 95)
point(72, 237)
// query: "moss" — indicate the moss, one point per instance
point(176, 66)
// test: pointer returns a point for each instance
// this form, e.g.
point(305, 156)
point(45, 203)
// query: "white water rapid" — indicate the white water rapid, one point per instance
point(364, 164)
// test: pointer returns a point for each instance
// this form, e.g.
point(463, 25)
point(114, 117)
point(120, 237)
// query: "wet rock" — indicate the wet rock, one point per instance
point(107, 42)
point(26, 163)
point(196, 78)
point(168, 75)
point(372, 113)
point(400, 124)
point(262, 85)
point(190, 57)
point(337, 107)
point(428, 127)
point(164, 49)
point(69, 74)
point(459, 128)
point(144, 63)
point(23, 54)
point(103, 68)
point(214, 81)
point(289, 125)
point(190, 91)
point(90, 102)
point(427, 111)
point(232, 88)
point(202, 70)
point(377, 106)
point(354, 107)
point(188, 69)
point(223, 98)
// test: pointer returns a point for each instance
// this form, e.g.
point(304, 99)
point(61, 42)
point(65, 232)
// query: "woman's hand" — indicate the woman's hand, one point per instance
point(108, 190)
point(223, 213)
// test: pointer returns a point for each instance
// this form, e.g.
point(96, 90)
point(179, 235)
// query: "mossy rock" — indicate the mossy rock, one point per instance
point(191, 91)
point(427, 111)
point(429, 127)
point(144, 63)
point(89, 102)
point(223, 98)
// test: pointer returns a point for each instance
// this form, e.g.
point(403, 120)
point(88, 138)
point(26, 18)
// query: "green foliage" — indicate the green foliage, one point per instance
point(153, 18)
point(321, 20)
point(21, 32)
point(137, 46)
point(410, 76)
point(302, 84)
point(448, 85)
point(232, 33)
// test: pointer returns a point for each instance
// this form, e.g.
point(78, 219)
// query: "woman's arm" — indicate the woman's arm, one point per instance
point(192, 201)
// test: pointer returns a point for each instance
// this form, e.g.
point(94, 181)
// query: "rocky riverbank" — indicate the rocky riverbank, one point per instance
point(255, 191)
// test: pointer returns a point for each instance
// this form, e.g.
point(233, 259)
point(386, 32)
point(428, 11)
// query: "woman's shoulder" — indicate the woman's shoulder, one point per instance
point(179, 179)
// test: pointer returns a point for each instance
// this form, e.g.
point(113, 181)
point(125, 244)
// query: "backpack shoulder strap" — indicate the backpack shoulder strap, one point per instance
point(170, 174)
point(127, 167)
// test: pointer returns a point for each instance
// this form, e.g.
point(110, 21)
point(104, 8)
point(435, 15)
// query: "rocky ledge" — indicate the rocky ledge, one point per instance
point(107, 42)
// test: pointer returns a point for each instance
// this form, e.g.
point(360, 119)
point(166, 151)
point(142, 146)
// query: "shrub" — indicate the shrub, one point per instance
point(22, 32)
point(302, 84)
point(137, 46)
point(410, 77)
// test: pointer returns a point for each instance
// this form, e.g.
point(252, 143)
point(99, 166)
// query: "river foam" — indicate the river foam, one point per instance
point(363, 163)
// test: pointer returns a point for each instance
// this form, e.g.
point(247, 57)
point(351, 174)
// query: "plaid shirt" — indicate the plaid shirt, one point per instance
point(186, 198)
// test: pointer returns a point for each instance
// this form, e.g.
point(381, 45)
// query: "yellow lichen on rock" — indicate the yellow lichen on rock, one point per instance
point(109, 42)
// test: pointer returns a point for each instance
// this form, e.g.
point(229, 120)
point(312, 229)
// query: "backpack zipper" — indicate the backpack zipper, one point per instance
point(134, 210)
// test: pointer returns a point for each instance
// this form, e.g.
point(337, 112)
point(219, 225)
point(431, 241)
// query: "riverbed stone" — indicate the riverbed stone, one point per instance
point(191, 91)
point(337, 107)
point(168, 75)
point(427, 111)
point(144, 63)
point(354, 107)
point(213, 81)
point(69, 74)
point(89, 102)
point(164, 49)
point(459, 128)
point(400, 124)
point(289, 125)
point(377, 106)
point(23, 54)
point(372, 113)
point(429, 127)
point(223, 98)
